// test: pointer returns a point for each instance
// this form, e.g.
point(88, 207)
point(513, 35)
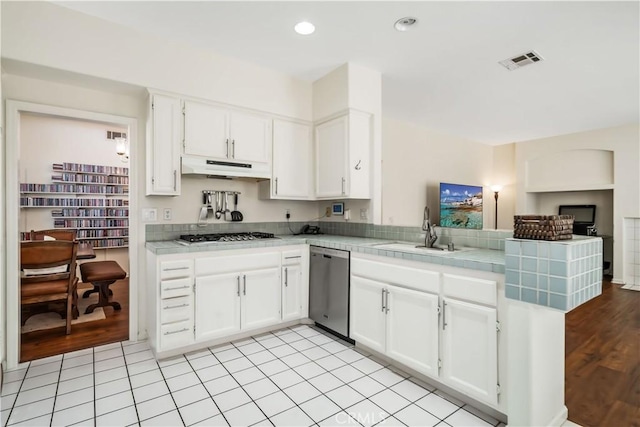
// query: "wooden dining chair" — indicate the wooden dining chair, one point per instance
point(48, 275)
point(55, 233)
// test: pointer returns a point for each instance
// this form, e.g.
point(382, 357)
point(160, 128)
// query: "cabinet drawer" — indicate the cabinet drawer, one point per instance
point(470, 289)
point(176, 335)
point(291, 257)
point(175, 269)
point(175, 309)
point(175, 287)
point(409, 277)
point(235, 263)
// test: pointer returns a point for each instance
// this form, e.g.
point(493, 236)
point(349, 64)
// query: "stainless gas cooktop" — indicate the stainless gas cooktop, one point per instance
point(225, 237)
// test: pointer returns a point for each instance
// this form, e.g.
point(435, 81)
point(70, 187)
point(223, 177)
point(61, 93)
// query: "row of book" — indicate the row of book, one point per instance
point(99, 179)
point(93, 223)
point(90, 212)
point(73, 188)
point(80, 167)
point(47, 201)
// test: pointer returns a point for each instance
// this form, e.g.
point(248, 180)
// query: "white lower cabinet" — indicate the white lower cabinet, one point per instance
point(385, 318)
point(291, 292)
point(217, 306)
point(260, 299)
point(470, 349)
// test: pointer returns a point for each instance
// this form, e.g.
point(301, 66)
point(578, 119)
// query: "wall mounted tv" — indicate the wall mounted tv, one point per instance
point(460, 206)
point(584, 216)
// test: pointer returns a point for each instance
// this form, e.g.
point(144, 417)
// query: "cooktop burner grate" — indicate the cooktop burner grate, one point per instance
point(226, 237)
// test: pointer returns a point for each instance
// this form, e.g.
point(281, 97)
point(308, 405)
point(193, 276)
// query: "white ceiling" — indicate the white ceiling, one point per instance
point(444, 73)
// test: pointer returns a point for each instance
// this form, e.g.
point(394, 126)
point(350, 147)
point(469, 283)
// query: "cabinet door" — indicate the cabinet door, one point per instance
point(250, 137)
point(367, 316)
point(217, 302)
point(470, 350)
point(291, 292)
point(163, 147)
point(412, 329)
point(331, 158)
point(261, 295)
point(206, 131)
point(292, 169)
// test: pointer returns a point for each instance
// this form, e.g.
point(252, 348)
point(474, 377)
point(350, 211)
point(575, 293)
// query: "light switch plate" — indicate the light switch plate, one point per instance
point(149, 215)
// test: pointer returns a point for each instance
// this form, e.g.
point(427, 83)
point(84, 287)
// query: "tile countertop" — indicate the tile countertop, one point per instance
point(472, 258)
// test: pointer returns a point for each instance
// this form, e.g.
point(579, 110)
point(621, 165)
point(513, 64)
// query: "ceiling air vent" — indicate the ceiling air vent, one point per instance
point(521, 60)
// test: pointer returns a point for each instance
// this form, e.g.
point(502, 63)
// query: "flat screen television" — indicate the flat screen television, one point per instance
point(584, 216)
point(460, 206)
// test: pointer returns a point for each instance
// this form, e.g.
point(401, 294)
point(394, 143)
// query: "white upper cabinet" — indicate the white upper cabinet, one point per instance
point(343, 157)
point(163, 146)
point(206, 130)
point(292, 166)
point(224, 134)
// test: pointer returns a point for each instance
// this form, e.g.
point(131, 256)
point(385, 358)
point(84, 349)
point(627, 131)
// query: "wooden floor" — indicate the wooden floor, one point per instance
point(49, 342)
point(602, 360)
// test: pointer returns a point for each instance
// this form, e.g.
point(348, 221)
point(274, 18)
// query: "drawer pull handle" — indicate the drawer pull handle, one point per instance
point(293, 257)
point(178, 288)
point(169, 307)
point(175, 268)
point(176, 332)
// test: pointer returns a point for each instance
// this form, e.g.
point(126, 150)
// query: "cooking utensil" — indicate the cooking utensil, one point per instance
point(227, 211)
point(218, 205)
point(236, 215)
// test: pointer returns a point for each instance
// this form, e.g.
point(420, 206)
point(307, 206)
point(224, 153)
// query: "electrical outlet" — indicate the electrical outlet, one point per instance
point(328, 211)
point(287, 213)
point(364, 213)
point(167, 214)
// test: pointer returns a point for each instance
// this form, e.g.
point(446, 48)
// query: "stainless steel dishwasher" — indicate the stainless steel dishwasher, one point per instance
point(329, 289)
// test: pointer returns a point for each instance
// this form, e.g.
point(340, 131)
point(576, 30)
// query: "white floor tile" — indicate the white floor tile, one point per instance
point(150, 391)
point(260, 388)
point(245, 415)
point(211, 372)
point(183, 381)
point(220, 385)
point(221, 347)
point(366, 365)
point(204, 361)
point(251, 348)
point(302, 345)
point(283, 350)
point(47, 368)
point(295, 359)
point(217, 421)
point(462, 418)
point(366, 386)
point(106, 347)
point(271, 342)
point(345, 396)
point(309, 370)
point(286, 379)
point(367, 413)
point(112, 387)
point(386, 377)
point(73, 415)
point(139, 356)
point(293, 417)
point(198, 354)
point(77, 353)
point(198, 411)
point(261, 357)
point(68, 363)
point(349, 355)
point(135, 347)
point(110, 375)
point(30, 396)
point(108, 354)
point(334, 347)
point(76, 372)
point(341, 419)
point(273, 367)
point(154, 407)
point(35, 422)
point(347, 373)
point(326, 382)
point(308, 332)
point(46, 360)
point(231, 399)
point(230, 354)
point(320, 408)
point(4, 416)
point(449, 397)
point(315, 353)
point(113, 403)
point(146, 378)
point(109, 364)
point(236, 365)
point(330, 362)
point(415, 416)
point(302, 392)
point(176, 369)
point(248, 376)
point(321, 340)
point(140, 367)
point(190, 395)
point(436, 405)
point(11, 388)
point(121, 417)
point(74, 398)
point(410, 390)
point(32, 410)
point(15, 375)
point(168, 419)
point(171, 361)
point(390, 401)
point(290, 337)
point(6, 402)
point(275, 403)
point(390, 422)
point(40, 381)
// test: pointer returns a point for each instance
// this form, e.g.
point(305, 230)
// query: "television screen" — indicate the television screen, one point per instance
point(460, 206)
point(584, 214)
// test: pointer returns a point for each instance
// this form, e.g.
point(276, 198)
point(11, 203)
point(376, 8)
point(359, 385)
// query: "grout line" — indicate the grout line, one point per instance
point(170, 394)
point(206, 389)
point(133, 396)
point(55, 396)
point(18, 393)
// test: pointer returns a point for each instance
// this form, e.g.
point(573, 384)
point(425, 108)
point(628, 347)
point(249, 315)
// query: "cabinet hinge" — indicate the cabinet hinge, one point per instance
point(439, 363)
point(498, 329)
point(183, 110)
point(439, 309)
point(153, 180)
point(153, 105)
point(498, 390)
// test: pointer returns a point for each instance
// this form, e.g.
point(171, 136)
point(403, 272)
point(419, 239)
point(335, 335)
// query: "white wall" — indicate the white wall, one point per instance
point(622, 140)
point(45, 140)
point(416, 160)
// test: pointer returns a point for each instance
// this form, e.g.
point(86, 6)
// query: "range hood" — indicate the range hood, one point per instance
point(192, 165)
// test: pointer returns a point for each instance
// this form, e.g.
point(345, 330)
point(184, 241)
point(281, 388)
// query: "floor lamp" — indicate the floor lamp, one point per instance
point(496, 189)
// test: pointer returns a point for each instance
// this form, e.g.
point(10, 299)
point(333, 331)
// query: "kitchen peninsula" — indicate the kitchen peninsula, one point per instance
point(480, 341)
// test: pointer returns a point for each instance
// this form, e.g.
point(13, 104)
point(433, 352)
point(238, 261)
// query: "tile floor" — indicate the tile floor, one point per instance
point(298, 376)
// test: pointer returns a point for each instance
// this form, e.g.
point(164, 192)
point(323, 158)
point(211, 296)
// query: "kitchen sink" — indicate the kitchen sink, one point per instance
point(414, 249)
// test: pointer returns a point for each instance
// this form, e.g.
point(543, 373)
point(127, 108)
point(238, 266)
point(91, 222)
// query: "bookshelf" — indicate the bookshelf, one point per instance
point(92, 199)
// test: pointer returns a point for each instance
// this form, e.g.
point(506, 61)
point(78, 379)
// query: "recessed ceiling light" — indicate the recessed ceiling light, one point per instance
point(404, 24)
point(305, 28)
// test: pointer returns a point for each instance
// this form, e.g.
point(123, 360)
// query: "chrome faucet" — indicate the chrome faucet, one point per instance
point(431, 236)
